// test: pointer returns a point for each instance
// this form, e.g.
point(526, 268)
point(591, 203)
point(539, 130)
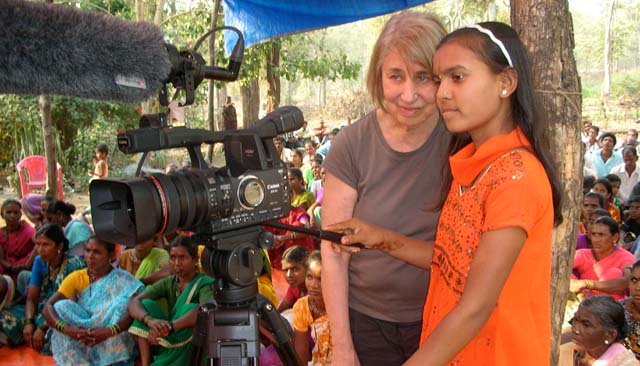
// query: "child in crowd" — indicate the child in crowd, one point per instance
point(100, 164)
point(310, 316)
point(584, 241)
point(603, 186)
point(615, 193)
point(294, 268)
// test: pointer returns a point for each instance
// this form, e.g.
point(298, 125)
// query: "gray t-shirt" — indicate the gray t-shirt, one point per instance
point(398, 191)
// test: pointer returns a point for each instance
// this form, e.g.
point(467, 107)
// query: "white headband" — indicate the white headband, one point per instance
point(495, 40)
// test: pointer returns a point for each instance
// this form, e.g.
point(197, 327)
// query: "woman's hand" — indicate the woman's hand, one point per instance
point(358, 234)
point(99, 335)
point(161, 328)
point(27, 333)
point(38, 339)
point(576, 286)
point(77, 333)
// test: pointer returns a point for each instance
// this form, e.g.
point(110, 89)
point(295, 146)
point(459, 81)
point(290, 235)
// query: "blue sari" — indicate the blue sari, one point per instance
point(101, 304)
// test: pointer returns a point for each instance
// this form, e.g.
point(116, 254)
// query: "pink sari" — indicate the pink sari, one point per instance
point(17, 245)
point(608, 268)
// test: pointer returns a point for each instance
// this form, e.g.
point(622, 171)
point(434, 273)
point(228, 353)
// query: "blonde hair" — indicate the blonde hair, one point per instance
point(414, 35)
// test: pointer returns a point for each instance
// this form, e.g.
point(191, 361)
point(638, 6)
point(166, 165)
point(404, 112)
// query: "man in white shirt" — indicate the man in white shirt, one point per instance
point(285, 153)
point(628, 173)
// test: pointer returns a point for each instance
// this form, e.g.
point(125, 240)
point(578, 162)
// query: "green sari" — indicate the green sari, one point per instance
point(175, 349)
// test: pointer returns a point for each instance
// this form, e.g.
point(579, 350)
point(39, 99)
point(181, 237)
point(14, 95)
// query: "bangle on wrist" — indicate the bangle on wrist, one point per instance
point(171, 326)
point(590, 284)
point(144, 318)
point(43, 327)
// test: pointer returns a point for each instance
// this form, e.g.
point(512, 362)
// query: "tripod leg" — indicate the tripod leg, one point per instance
point(282, 332)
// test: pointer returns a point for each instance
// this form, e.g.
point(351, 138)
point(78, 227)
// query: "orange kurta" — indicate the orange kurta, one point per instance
point(513, 192)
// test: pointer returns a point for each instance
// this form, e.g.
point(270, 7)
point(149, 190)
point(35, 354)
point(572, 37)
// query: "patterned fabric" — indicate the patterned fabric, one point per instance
point(11, 318)
point(102, 304)
point(320, 332)
point(632, 341)
point(176, 347)
point(488, 194)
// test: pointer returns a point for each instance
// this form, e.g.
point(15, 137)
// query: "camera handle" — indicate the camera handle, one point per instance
point(331, 236)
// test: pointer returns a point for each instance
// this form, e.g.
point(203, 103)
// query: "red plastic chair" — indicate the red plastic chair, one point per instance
point(32, 171)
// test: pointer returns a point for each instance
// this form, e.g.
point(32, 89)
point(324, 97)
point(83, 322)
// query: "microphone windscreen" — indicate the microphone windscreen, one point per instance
point(59, 50)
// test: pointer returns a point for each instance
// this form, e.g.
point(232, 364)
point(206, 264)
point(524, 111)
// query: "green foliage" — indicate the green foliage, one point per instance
point(626, 84)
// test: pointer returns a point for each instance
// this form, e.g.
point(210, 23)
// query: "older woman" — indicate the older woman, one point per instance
point(89, 312)
point(25, 323)
point(605, 261)
point(16, 239)
point(183, 292)
point(598, 328)
point(387, 169)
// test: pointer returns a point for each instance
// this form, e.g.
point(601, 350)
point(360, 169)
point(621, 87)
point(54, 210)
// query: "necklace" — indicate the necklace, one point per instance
point(316, 310)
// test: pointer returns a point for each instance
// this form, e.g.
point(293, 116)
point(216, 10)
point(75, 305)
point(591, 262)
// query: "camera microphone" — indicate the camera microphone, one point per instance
point(60, 50)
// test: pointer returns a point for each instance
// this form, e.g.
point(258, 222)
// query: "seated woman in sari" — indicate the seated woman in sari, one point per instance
point(604, 262)
point(146, 262)
point(184, 292)
point(16, 239)
point(89, 312)
point(24, 323)
point(77, 231)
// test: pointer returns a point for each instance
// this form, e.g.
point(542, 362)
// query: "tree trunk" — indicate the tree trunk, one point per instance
point(211, 120)
point(49, 145)
point(250, 102)
point(606, 85)
point(546, 28)
point(273, 78)
point(491, 10)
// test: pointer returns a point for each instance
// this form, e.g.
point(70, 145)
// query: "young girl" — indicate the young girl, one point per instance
point(603, 186)
point(489, 295)
point(16, 240)
point(294, 268)
point(309, 315)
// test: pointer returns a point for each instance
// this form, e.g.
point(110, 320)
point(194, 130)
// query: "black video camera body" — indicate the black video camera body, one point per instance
point(252, 188)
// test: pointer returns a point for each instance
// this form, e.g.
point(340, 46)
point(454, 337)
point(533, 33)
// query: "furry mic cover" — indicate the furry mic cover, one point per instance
point(60, 50)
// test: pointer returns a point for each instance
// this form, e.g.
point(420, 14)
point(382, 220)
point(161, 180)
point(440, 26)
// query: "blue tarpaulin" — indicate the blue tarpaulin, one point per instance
point(259, 20)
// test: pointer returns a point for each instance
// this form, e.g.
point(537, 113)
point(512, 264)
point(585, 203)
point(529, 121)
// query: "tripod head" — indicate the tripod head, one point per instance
point(227, 330)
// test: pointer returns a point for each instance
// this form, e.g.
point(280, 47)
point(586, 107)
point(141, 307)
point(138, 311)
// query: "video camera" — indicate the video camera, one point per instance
point(224, 207)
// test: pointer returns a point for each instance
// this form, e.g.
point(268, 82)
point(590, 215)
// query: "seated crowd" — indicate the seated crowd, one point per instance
point(66, 293)
point(606, 266)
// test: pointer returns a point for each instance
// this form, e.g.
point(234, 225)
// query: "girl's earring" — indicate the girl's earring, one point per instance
point(504, 92)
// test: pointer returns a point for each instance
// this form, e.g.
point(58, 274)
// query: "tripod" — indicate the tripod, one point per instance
point(227, 330)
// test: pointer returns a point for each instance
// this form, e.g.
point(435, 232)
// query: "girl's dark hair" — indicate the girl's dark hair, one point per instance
point(103, 148)
point(9, 201)
point(60, 206)
point(614, 228)
point(188, 244)
point(600, 212)
point(315, 256)
point(109, 246)
point(524, 106)
point(55, 233)
point(296, 254)
point(296, 172)
point(612, 178)
point(635, 265)
point(609, 312)
point(298, 152)
point(605, 182)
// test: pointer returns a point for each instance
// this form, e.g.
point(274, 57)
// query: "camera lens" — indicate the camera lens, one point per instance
point(250, 192)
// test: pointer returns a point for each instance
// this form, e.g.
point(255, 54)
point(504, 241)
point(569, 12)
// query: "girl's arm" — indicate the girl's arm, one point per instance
point(301, 344)
point(496, 254)
point(3, 261)
point(53, 321)
point(412, 251)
